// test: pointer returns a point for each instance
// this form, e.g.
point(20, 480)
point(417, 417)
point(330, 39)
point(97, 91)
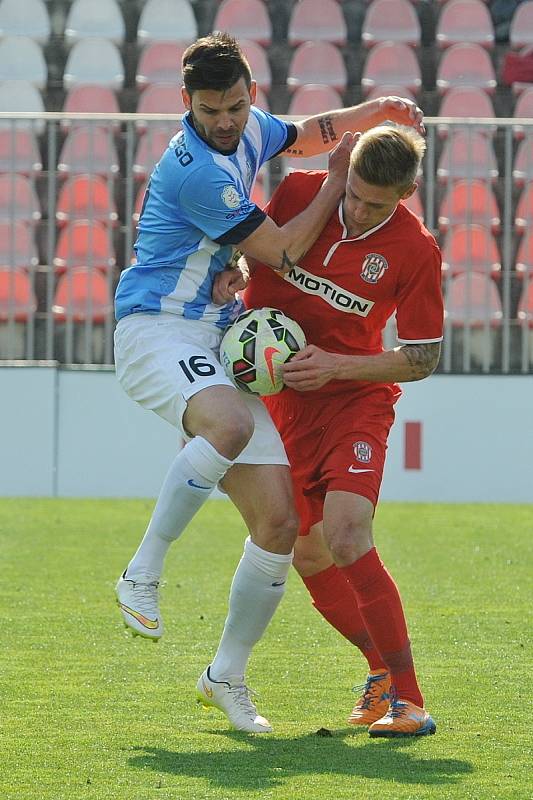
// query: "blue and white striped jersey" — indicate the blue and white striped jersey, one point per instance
point(196, 208)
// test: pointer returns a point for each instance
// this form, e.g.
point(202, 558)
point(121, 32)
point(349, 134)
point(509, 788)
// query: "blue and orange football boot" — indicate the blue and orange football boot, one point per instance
point(403, 719)
point(374, 700)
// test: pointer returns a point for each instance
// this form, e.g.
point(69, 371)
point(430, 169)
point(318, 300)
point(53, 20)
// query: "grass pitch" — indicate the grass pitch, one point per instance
point(89, 712)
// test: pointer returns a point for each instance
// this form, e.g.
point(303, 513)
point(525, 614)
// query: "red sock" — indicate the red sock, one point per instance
point(381, 609)
point(335, 599)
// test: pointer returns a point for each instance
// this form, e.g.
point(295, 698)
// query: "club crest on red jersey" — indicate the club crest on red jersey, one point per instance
point(362, 452)
point(374, 267)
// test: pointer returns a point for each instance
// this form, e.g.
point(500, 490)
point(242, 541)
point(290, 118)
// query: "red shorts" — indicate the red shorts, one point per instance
point(334, 443)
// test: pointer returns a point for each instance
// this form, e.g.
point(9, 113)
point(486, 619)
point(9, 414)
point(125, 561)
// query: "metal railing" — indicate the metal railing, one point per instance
point(56, 303)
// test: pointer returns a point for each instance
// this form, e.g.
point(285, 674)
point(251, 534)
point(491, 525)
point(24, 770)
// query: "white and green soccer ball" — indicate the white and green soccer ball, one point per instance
point(256, 346)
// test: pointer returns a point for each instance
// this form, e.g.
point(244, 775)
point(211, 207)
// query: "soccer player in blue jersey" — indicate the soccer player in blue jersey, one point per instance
point(197, 211)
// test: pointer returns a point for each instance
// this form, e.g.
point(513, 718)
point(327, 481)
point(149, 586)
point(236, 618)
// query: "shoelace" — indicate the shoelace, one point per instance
point(243, 697)
point(146, 596)
point(368, 689)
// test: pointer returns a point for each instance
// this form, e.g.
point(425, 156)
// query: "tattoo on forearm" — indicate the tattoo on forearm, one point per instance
point(327, 130)
point(285, 262)
point(423, 358)
point(293, 151)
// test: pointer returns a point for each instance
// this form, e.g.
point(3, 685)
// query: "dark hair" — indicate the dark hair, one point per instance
point(214, 62)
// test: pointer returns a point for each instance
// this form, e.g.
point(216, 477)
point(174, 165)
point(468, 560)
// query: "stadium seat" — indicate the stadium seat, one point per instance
point(150, 148)
point(91, 99)
point(94, 61)
point(19, 152)
point(17, 246)
point(88, 149)
point(22, 59)
point(414, 204)
point(470, 202)
point(28, 18)
point(521, 30)
point(470, 248)
point(18, 200)
point(525, 318)
point(17, 307)
point(22, 96)
point(524, 257)
point(466, 155)
point(167, 21)
point(524, 211)
point(82, 296)
point(90, 18)
point(523, 162)
point(467, 102)
point(261, 100)
point(161, 98)
point(391, 21)
point(314, 98)
point(317, 20)
point(259, 63)
point(317, 62)
point(84, 244)
point(87, 198)
point(391, 63)
point(160, 62)
point(465, 21)
point(473, 308)
point(467, 65)
point(245, 19)
point(523, 110)
point(387, 89)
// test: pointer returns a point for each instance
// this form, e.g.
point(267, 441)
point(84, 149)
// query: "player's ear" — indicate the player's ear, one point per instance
point(253, 92)
point(185, 96)
point(408, 192)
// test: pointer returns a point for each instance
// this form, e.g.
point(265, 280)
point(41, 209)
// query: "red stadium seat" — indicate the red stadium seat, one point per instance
point(466, 155)
point(149, 150)
point(90, 18)
point(467, 102)
point(317, 62)
point(391, 62)
point(521, 30)
point(85, 99)
point(17, 246)
point(524, 256)
point(86, 198)
point(246, 19)
point(29, 18)
point(167, 21)
point(19, 152)
point(386, 90)
point(317, 20)
point(414, 204)
point(17, 299)
point(94, 61)
point(88, 150)
point(18, 200)
point(470, 248)
point(523, 109)
point(523, 162)
point(82, 294)
point(314, 98)
point(391, 21)
point(259, 63)
point(469, 202)
point(159, 63)
point(161, 98)
point(524, 211)
point(84, 244)
point(473, 308)
point(525, 319)
point(261, 100)
point(465, 21)
point(466, 64)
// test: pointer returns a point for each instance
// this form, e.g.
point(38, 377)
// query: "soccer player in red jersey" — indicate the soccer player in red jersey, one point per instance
point(373, 258)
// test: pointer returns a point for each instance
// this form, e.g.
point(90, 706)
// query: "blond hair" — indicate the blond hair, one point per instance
point(388, 155)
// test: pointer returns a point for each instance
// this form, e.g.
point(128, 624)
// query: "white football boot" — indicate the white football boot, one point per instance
point(234, 700)
point(138, 602)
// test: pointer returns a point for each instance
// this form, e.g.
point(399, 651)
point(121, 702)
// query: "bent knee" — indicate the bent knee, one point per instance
point(348, 543)
point(277, 530)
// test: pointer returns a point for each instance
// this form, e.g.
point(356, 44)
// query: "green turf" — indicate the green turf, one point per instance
point(88, 712)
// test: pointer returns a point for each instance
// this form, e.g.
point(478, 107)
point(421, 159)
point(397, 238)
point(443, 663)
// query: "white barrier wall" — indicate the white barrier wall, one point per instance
point(74, 433)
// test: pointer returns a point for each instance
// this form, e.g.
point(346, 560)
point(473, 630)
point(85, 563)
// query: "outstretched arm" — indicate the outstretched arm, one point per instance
point(313, 367)
point(320, 133)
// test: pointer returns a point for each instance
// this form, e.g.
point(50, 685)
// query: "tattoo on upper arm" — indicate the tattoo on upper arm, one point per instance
point(327, 130)
point(423, 358)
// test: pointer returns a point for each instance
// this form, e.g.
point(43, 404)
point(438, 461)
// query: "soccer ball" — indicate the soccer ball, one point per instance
point(256, 346)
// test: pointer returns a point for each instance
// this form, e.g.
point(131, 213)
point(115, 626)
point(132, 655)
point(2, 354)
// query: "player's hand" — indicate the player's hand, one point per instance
point(403, 112)
point(310, 369)
point(228, 282)
point(339, 159)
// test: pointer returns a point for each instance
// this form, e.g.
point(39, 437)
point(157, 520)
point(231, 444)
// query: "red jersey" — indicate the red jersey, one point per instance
point(343, 291)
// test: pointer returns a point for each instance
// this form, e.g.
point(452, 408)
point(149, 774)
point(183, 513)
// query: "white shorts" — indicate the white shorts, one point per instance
point(162, 360)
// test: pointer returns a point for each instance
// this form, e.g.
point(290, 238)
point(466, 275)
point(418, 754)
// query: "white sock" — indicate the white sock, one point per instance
point(192, 476)
point(256, 590)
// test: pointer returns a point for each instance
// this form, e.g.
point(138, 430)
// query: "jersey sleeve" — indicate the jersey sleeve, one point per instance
point(212, 201)
point(276, 135)
point(420, 308)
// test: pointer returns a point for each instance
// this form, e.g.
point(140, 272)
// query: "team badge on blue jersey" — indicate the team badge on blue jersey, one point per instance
point(230, 197)
point(374, 267)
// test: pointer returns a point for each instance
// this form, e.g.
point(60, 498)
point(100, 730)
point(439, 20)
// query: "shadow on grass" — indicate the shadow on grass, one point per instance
point(265, 762)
